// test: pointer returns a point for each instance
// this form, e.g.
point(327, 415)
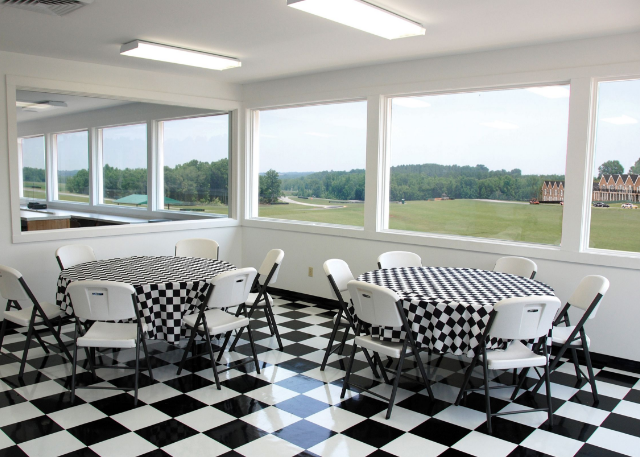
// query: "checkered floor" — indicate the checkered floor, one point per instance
point(292, 408)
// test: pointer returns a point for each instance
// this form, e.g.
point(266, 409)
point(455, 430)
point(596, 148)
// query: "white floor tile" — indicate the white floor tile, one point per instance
point(481, 445)
point(328, 375)
point(552, 444)
point(12, 369)
point(464, 417)
point(272, 394)
point(319, 342)
point(52, 445)
point(336, 419)
point(626, 408)
point(127, 445)
point(90, 395)
point(5, 441)
point(409, 445)
point(272, 342)
point(197, 445)
point(112, 373)
point(40, 389)
point(4, 387)
point(156, 392)
point(532, 419)
point(270, 419)
point(269, 445)
point(208, 373)
point(76, 415)
point(274, 357)
point(204, 419)
point(401, 418)
point(385, 391)
point(445, 392)
point(317, 330)
point(273, 374)
point(60, 371)
point(164, 373)
point(582, 413)
point(18, 413)
point(329, 394)
point(341, 446)
point(140, 417)
point(210, 395)
point(608, 389)
point(315, 320)
point(559, 391)
point(616, 441)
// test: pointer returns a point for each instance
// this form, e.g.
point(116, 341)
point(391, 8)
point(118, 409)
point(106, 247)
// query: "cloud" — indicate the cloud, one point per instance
point(500, 125)
point(551, 91)
point(323, 135)
point(410, 102)
point(621, 120)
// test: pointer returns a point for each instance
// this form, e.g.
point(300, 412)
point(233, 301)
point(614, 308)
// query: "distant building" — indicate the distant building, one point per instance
point(616, 187)
point(552, 191)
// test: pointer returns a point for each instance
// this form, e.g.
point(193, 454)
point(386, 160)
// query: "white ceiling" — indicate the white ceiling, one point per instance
point(274, 40)
point(75, 104)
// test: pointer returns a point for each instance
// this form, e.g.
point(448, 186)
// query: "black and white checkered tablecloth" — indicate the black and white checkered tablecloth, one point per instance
point(448, 308)
point(167, 287)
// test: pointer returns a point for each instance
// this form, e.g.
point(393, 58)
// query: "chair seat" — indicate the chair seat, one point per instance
point(253, 297)
point(383, 347)
point(560, 335)
point(517, 355)
point(110, 335)
point(22, 317)
point(218, 321)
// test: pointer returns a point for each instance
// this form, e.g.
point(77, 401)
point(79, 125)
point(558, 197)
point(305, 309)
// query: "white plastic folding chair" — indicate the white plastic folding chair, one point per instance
point(519, 266)
point(259, 298)
point(103, 302)
point(13, 287)
point(339, 275)
point(516, 319)
point(380, 306)
point(203, 248)
point(586, 298)
point(74, 254)
point(227, 289)
point(399, 259)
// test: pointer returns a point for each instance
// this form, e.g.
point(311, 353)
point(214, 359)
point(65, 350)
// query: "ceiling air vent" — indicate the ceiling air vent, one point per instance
point(53, 7)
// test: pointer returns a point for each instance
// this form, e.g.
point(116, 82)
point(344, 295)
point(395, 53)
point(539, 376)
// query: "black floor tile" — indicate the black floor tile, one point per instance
point(240, 406)
point(586, 398)
point(31, 429)
point(179, 405)
point(29, 378)
point(116, 404)
point(56, 402)
point(10, 398)
point(476, 401)
point(441, 432)
point(245, 383)
point(304, 434)
point(97, 431)
point(507, 430)
point(569, 380)
point(454, 453)
point(526, 452)
point(235, 433)
point(166, 432)
point(616, 378)
point(84, 452)
point(538, 401)
point(622, 424)
point(299, 349)
point(12, 451)
point(294, 325)
point(589, 450)
point(297, 336)
point(156, 453)
point(633, 395)
point(294, 315)
point(49, 361)
point(300, 383)
point(363, 405)
point(189, 382)
point(424, 405)
point(373, 433)
point(570, 428)
point(299, 365)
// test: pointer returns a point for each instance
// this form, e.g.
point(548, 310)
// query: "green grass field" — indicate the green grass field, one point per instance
point(611, 228)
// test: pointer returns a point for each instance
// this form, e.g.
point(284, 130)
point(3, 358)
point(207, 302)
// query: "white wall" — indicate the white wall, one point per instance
point(36, 260)
point(614, 331)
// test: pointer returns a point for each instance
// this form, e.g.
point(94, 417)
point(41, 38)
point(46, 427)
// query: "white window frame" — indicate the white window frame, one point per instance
point(54, 166)
point(20, 165)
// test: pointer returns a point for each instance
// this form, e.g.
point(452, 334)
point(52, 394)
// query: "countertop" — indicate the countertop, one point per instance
point(49, 214)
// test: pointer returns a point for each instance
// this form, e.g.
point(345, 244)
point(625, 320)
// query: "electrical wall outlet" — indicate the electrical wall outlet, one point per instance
point(311, 272)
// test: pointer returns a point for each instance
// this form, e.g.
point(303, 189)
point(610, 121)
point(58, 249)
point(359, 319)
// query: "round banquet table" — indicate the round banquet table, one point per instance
point(448, 308)
point(167, 287)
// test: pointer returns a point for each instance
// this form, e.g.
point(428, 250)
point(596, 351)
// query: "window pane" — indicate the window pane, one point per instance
point(312, 162)
point(33, 168)
point(124, 155)
point(73, 166)
point(474, 164)
point(196, 164)
point(616, 186)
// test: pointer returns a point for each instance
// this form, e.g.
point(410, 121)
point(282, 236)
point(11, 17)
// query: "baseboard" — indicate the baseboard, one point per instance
point(297, 296)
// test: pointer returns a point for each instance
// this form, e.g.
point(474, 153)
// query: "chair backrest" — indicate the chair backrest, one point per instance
point(231, 288)
point(519, 266)
point(203, 248)
point(587, 291)
point(11, 287)
point(273, 257)
point(74, 254)
point(375, 305)
point(524, 318)
point(399, 259)
point(102, 300)
point(341, 275)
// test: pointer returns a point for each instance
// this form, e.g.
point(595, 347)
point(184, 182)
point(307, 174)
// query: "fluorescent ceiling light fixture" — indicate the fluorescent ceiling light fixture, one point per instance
point(551, 91)
point(410, 102)
point(500, 125)
point(361, 15)
point(164, 53)
point(40, 106)
point(621, 120)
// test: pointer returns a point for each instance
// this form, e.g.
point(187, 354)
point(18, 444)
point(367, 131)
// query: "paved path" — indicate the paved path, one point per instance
point(288, 200)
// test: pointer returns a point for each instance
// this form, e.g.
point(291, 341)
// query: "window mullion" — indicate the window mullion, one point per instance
point(376, 205)
point(155, 199)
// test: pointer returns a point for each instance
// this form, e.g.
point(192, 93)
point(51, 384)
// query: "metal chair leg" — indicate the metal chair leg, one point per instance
point(146, 356)
point(213, 359)
point(23, 362)
point(74, 365)
point(343, 343)
point(396, 381)
point(227, 337)
point(576, 363)
point(467, 377)
point(487, 398)
point(253, 349)
point(383, 370)
point(371, 362)
point(137, 374)
point(43, 345)
point(592, 379)
point(345, 383)
point(547, 381)
point(332, 338)
point(186, 350)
